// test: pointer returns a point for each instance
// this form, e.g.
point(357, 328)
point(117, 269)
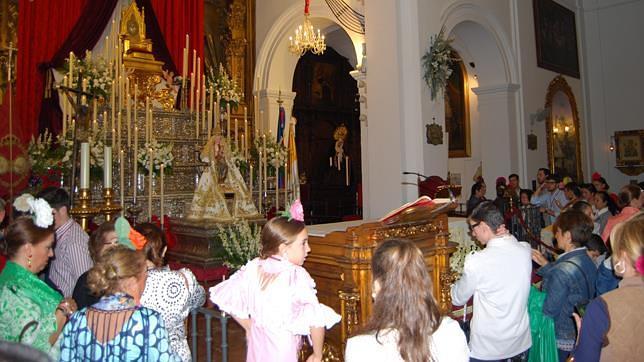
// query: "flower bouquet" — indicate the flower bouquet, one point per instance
point(95, 70)
point(162, 156)
point(225, 86)
point(436, 62)
point(240, 243)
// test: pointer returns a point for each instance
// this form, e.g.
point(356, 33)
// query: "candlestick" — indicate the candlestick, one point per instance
point(122, 180)
point(107, 167)
point(150, 175)
point(346, 165)
point(161, 213)
point(135, 162)
point(84, 180)
point(228, 122)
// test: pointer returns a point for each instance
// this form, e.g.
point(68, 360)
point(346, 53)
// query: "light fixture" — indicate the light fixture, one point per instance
point(611, 147)
point(306, 38)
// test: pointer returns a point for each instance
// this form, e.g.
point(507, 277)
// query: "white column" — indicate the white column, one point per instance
point(498, 130)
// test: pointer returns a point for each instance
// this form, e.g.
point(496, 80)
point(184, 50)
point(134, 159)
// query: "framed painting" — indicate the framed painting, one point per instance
point(457, 119)
point(629, 147)
point(556, 37)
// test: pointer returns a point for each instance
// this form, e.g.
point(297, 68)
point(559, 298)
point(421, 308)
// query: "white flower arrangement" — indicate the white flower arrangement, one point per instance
point(240, 242)
point(97, 71)
point(466, 247)
point(39, 152)
point(40, 210)
point(162, 156)
point(223, 84)
point(276, 153)
point(436, 62)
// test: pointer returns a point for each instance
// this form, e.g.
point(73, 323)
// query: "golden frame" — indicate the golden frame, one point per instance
point(467, 150)
point(629, 152)
point(559, 84)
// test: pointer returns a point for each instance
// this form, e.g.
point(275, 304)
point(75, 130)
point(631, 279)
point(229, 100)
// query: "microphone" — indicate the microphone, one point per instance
point(414, 173)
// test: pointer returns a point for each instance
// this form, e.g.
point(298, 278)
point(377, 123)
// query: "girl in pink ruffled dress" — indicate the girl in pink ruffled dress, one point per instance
point(274, 298)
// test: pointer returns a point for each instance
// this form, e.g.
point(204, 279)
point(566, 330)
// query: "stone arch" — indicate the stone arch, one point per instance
point(275, 65)
point(497, 118)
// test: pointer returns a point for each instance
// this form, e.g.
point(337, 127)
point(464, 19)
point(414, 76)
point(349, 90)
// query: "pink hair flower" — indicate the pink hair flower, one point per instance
point(639, 265)
point(297, 211)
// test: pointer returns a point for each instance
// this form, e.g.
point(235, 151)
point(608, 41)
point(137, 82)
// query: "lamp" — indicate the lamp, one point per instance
point(306, 38)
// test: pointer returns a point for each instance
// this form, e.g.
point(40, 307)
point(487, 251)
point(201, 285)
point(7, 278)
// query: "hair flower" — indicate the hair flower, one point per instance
point(639, 265)
point(127, 236)
point(40, 211)
point(294, 212)
point(43, 213)
point(596, 176)
point(22, 203)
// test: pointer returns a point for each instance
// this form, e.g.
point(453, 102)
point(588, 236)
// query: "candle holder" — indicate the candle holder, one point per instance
point(133, 212)
point(84, 210)
point(109, 208)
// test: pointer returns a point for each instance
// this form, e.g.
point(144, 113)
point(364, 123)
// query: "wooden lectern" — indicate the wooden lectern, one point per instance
point(340, 264)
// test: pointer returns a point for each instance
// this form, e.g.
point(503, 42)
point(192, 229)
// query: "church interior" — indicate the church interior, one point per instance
point(209, 118)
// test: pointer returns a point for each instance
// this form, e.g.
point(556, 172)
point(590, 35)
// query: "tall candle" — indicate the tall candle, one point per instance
point(161, 213)
point(346, 165)
point(209, 124)
point(212, 110)
point(105, 127)
point(259, 183)
point(228, 122)
point(277, 185)
point(265, 166)
point(122, 180)
point(113, 109)
point(198, 85)
point(215, 117)
point(118, 130)
point(84, 179)
point(94, 117)
point(70, 74)
point(136, 94)
point(197, 119)
point(147, 123)
point(246, 133)
point(192, 90)
point(285, 184)
point(135, 162)
point(150, 175)
point(236, 136)
point(107, 167)
point(250, 182)
point(203, 103)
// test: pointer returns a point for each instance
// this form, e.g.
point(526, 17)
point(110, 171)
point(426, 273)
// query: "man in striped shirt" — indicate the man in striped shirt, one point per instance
point(71, 255)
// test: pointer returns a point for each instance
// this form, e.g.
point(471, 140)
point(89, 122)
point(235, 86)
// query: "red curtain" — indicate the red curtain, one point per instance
point(43, 26)
point(177, 18)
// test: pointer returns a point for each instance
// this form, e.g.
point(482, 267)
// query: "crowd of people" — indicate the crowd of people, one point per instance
point(111, 295)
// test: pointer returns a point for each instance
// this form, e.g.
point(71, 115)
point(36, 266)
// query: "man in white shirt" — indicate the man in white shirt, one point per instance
point(499, 279)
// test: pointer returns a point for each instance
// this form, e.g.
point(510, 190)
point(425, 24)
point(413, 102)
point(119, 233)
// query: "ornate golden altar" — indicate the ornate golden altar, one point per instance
point(340, 258)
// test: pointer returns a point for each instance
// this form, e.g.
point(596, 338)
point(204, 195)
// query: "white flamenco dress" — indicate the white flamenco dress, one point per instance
point(220, 177)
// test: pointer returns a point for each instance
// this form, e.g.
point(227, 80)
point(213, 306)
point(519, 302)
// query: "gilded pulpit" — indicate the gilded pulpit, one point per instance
point(340, 264)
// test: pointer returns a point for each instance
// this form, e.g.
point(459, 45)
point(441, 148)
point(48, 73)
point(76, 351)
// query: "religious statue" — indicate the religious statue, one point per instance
point(220, 183)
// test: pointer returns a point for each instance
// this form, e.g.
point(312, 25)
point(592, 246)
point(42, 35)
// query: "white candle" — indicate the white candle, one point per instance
point(84, 180)
point(250, 182)
point(161, 213)
point(118, 129)
point(104, 127)
point(147, 123)
point(285, 184)
point(265, 166)
point(330, 161)
point(122, 181)
point(346, 165)
point(150, 175)
point(135, 163)
point(197, 120)
point(128, 114)
point(209, 124)
point(107, 167)
point(246, 134)
point(236, 137)
point(94, 117)
point(113, 109)
point(228, 122)
point(259, 183)
point(277, 185)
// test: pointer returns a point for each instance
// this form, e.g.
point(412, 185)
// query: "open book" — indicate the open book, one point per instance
point(421, 202)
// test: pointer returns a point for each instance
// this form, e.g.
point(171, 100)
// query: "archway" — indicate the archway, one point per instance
point(496, 124)
point(328, 137)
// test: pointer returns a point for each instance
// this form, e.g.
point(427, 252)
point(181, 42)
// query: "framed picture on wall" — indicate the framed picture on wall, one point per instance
point(556, 37)
point(630, 148)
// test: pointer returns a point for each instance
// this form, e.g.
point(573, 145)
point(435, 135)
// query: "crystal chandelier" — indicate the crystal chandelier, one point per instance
point(306, 38)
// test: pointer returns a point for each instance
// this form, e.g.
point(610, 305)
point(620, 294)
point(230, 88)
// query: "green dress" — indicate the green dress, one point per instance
point(27, 309)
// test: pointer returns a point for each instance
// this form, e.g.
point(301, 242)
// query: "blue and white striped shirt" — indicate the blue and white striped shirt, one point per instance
point(71, 257)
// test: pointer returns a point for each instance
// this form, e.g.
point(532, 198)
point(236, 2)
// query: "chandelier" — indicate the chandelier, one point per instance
point(306, 38)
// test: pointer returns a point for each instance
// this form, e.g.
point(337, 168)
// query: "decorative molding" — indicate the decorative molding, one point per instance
point(496, 89)
point(594, 5)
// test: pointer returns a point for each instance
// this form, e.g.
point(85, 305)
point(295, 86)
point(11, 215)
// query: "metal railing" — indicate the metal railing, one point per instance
point(209, 314)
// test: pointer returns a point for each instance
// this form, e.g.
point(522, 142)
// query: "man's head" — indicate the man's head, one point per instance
point(542, 174)
point(479, 189)
point(514, 181)
point(486, 222)
point(59, 201)
point(588, 192)
point(552, 182)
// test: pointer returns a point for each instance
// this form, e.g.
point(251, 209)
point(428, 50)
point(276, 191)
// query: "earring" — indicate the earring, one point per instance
point(29, 261)
point(373, 295)
point(620, 264)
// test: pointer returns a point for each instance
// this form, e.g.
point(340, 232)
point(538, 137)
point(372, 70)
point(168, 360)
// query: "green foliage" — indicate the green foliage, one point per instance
point(436, 63)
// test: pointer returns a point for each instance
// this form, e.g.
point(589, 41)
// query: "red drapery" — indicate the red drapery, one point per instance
point(177, 18)
point(43, 26)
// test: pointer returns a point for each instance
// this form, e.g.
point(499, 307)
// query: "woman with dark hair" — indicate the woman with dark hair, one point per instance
point(570, 280)
point(31, 312)
point(605, 208)
point(101, 239)
point(117, 328)
point(405, 323)
point(173, 293)
point(274, 298)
